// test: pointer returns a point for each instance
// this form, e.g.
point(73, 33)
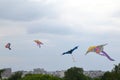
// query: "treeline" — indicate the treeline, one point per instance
point(74, 73)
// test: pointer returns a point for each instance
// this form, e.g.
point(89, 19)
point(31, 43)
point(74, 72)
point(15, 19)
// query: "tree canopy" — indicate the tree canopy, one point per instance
point(75, 73)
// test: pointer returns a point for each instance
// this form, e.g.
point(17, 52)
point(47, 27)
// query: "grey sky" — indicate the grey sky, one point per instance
point(23, 10)
point(60, 25)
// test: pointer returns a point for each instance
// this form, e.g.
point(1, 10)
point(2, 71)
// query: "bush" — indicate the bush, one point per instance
point(40, 77)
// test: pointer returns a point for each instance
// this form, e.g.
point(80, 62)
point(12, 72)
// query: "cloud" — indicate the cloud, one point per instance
point(116, 14)
point(94, 16)
point(49, 27)
point(9, 28)
point(25, 10)
point(12, 31)
point(69, 16)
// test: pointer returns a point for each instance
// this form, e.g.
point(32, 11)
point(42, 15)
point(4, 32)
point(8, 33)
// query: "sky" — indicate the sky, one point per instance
point(60, 25)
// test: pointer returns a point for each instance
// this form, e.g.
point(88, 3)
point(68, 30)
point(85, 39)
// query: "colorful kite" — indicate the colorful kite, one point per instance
point(39, 43)
point(8, 46)
point(70, 52)
point(99, 50)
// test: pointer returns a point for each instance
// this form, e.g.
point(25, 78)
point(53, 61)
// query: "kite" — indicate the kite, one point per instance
point(99, 50)
point(39, 43)
point(8, 46)
point(70, 52)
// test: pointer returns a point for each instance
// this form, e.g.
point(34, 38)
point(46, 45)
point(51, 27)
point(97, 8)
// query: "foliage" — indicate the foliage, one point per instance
point(113, 75)
point(116, 69)
point(16, 76)
point(40, 77)
point(75, 73)
point(96, 78)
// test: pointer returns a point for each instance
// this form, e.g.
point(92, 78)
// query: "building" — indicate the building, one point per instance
point(7, 73)
point(39, 71)
point(94, 74)
point(57, 73)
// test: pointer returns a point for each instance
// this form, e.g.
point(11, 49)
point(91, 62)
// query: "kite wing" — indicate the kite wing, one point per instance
point(105, 54)
point(65, 53)
point(102, 45)
point(99, 48)
point(74, 48)
point(70, 51)
point(8, 46)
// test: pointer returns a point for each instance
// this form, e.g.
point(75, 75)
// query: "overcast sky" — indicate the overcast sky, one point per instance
point(60, 25)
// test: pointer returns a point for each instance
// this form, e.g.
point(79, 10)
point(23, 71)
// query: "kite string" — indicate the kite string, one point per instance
point(73, 58)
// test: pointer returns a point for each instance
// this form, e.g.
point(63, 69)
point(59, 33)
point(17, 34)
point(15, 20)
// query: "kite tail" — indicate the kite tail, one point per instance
point(9, 48)
point(108, 56)
point(73, 58)
point(39, 45)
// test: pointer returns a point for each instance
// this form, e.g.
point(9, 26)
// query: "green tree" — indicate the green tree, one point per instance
point(16, 76)
point(107, 76)
point(116, 69)
point(40, 77)
point(116, 72)
point(96, 78)
point(75, 73)
point(113, 75)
